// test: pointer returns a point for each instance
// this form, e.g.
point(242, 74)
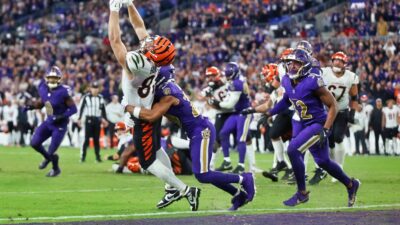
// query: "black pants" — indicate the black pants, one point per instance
point(359, 136)
point(378, 133)
point(339, 128)
point(92, 130)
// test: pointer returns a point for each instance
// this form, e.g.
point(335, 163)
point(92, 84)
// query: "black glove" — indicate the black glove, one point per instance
point(323, 135)
point(209, 92)
point(263, 120)
point(248, 111)
point(58, 118)
point(213, 102)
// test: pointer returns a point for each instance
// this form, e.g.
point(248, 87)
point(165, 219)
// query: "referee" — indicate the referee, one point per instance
point(93, 105)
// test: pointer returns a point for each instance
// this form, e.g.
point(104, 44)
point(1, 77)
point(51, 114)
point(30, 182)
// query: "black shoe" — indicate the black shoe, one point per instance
point(98, 160)
point(281, 166)
point(53, 173)
point(272, 176)
point(319, 175)
point(287, 174)
point(224, 166)
point(291, 179)
point(171, 195)
point(238, 169)
point(44, 164)
point(192, 194)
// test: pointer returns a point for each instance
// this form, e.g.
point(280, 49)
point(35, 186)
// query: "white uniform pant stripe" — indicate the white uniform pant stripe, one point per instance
point(314, 139)
point(245, 128)
point(204, 153)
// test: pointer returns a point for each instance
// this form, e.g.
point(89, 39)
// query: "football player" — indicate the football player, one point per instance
point(56, 98)
point(307, 92)
point(217, 89)
point(342, 83)
point(238, 99)
point(172, 102)
point(140, 68)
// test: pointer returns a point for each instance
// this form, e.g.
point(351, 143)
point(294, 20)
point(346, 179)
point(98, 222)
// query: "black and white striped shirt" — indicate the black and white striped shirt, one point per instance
point(93, 106)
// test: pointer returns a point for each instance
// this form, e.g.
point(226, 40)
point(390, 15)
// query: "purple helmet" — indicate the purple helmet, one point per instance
point(165, 74)
point(53, 72)
point(231, 71)
point(306, 46)
point(302, 57)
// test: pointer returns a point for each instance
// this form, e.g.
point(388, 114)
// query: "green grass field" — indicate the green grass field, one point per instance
point(90, 191)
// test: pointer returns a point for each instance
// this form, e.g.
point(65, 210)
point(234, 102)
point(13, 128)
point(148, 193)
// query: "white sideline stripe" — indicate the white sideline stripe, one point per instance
point(202, 212)
point(69, 191)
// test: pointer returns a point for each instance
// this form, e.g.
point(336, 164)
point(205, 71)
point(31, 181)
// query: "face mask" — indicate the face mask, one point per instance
point(52, 85)
point(336, 69)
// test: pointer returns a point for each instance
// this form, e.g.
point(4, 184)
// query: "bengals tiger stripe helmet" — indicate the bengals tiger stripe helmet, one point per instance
point(285, 53)
point(213, 75)
point(270, 71)
point(120, 126)
point(159, 49)
point(341, 56)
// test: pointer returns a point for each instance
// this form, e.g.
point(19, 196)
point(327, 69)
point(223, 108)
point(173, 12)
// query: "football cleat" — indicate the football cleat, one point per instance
point(238, 200)
point(192, 194)
point(296, 199)
point(44, 164)
point(53, 173)
point(248, 185)
point(225, 166)
point(270, 175)
point(319, 175)
point(238, 169)
point(287, 174)
point(353, 192)
point(281, 166)
point(171, 195)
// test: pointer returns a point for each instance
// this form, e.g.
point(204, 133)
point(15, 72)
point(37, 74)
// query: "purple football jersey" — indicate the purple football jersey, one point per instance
point(308, 106)
point(54, 100)
point(184, 114)
point(244, 100)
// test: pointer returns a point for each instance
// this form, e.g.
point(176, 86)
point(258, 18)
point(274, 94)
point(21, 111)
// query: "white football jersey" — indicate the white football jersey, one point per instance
point(391, 116)
point(340, 86)
point(139, 90)
point(219, 94)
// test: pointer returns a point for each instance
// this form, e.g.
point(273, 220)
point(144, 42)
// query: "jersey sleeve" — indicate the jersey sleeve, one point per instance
point(139, 65)
point(237, 85)
point(316, 82)
point(356, 80)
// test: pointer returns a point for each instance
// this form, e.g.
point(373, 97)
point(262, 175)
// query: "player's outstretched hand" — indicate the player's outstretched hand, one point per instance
point(248, 111)
point(323, 135)
point(116, 5)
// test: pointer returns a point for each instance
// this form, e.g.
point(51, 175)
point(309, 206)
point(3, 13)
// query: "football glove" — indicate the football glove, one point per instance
point(58, 118)
point(263, 120)
point(213, 102)
point(248, 111)
point(116, 5)
point(323, 135)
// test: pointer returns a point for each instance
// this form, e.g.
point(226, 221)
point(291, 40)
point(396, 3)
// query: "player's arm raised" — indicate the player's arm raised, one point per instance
point(114, 33)
point(156, 112)
point(137, 22)
point(330, 101)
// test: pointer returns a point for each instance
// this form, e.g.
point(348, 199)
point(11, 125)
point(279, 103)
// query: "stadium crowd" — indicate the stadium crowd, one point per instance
point(28, 50)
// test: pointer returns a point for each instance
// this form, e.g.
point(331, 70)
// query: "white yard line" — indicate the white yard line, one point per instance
point(100, 216)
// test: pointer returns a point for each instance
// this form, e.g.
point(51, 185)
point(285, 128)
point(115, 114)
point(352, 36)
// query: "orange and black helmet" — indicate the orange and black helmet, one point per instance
point(270, 71)
point(159, 49)
point(340, 56)
point(285, 53)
